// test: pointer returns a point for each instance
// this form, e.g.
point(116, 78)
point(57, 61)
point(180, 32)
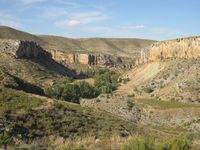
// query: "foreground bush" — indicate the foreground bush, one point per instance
point(148, 143)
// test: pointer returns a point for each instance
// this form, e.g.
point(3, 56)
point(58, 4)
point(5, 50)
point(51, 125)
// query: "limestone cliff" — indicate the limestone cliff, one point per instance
point(179, 48)
point(19, 48)
point(90, 59)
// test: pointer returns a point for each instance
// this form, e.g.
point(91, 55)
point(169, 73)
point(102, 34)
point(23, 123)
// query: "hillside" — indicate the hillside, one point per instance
point(10, 33)
point(37, 122)
point(179, 80)
point(120, 47)
point(31, 74)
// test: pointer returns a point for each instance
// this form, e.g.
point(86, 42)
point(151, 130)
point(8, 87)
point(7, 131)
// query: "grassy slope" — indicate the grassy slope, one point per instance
point(10, 33)
point(37, 118)
point(164, 105)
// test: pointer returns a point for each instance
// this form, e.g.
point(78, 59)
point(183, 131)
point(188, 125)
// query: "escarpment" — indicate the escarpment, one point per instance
point(22, 49)
point(29, 49)
point(179, 48)
point(91, 59)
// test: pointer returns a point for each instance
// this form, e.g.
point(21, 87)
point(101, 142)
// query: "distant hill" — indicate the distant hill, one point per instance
point(121, 47)
point(10, 33)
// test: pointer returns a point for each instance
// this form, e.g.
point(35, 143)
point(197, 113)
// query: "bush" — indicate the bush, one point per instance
point(6, 140)
point(130, 104)
point(148, 89)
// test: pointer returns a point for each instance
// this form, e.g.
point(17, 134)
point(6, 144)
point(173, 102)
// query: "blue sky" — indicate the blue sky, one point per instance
point(151, 19)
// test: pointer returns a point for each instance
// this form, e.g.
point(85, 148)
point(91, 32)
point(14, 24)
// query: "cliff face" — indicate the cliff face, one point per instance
point(180, 48)
point(19, 49)
point(88, 59)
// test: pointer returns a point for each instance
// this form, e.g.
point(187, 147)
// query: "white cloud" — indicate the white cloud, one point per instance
point(9, 20)
point(81, 19)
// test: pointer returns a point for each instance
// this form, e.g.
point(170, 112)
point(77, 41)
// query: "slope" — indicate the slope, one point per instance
point(37, 122)
point(32, 72)
point(10, 33)
point(139, 76)
point(178, 81)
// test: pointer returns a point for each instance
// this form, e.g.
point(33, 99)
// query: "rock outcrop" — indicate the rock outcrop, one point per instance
point(20, 49)
point(89, 59)
point(143, 57)
point(179, 48)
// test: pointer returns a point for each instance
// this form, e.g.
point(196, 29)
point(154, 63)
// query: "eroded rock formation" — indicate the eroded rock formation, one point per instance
point(179, 48)
point(88, 59)
point(19, 49)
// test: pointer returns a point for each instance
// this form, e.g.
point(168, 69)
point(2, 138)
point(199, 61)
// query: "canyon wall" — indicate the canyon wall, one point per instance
point(19, 49)
point(89, 59)
point(179, 48)
point(30, 49)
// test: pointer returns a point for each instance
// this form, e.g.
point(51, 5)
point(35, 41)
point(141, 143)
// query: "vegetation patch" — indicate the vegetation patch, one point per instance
point(13, 101)
point(106, 81)
point(64, 120)
point(149, 143)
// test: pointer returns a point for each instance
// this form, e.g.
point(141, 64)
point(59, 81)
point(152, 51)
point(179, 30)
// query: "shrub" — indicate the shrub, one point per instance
point(130, 104)
point(148, 89)
point(6, 140)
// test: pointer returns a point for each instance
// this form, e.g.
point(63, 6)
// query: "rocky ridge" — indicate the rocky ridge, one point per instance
point(92, 59)
point(19, 48)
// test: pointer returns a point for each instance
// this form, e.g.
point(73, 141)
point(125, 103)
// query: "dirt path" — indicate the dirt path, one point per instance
point(139, 76)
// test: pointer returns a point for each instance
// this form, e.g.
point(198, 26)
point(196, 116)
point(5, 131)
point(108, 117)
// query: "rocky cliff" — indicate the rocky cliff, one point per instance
point(19, 48)
point(179, 48)
point(90, 59)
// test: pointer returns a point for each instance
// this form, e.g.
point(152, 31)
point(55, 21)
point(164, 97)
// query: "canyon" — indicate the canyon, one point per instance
point(179, 48)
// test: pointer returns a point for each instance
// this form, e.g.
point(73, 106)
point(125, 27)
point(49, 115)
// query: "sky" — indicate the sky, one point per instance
point(147, 19)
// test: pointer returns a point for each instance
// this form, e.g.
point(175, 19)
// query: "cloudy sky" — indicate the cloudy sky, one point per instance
point(152, 19)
